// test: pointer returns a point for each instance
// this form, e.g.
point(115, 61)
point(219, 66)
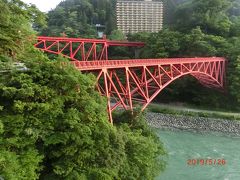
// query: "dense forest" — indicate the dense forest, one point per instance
point(53, 123)
point(77, 18)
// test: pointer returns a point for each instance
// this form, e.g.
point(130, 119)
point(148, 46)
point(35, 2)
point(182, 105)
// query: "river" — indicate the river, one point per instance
point(190, 155)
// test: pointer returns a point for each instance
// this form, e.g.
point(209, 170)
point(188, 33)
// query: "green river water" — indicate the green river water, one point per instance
point(184, 145)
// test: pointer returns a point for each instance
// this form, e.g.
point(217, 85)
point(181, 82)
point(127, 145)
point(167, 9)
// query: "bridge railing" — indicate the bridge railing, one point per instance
point(93, 65)
point(79, 48)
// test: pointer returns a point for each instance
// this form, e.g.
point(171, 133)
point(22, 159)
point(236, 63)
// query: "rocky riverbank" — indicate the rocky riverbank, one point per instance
point(201, 124)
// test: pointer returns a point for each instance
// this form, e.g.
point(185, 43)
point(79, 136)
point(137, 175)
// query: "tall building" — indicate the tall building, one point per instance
point(139, 16)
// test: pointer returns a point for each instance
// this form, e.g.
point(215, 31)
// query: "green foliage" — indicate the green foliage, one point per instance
point(16, 35)
point(116, 52)
point(158, 45)
point(54, 121)
point(209, 15)
point(196, 43)
point(235, 76)
point(117, 35)
point(186, 111)
point(77, 18)
point(170, 6)
point(21, 165)
point(170, 43)
point(142, 146)
point(18, 157)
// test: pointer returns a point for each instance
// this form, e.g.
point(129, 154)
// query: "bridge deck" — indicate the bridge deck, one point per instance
point(116, 64)
point(97, 41)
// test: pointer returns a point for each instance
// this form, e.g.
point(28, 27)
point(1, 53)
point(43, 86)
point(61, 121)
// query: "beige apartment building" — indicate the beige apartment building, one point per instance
point(139, 16)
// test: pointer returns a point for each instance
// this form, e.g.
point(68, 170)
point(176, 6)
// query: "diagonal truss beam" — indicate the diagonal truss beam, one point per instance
point(80, 49)
point(133, 83)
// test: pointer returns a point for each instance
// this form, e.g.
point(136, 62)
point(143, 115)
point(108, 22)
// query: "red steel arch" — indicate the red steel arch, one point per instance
point(126, 82)
point(144, 79)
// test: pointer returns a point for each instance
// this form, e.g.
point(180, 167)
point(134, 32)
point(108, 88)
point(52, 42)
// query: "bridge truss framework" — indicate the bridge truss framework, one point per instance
point(125, 82)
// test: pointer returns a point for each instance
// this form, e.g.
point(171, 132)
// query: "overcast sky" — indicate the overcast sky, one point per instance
point(44, 5)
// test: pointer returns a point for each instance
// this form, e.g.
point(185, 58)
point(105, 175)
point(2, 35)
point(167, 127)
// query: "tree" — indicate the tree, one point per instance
point(165, 43)
point(210, 16)
point(78, 18)
point(54, 112)
point(16, 35)
point(235, 79)
point(118, 52)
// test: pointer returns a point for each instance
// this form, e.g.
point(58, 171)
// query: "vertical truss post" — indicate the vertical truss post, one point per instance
point(106, 51)
point(71, 49)
point(128, 89)
point(83, 51)
point(94, 54)
point(145, 82)
point(223, 76)
point(159, 75)
point(108, 96)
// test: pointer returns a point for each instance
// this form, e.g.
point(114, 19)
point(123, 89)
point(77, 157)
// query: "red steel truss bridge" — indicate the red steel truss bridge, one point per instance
point(128, 82)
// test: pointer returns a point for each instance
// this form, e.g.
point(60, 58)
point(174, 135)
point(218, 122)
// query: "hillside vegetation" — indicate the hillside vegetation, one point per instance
point(78, 18)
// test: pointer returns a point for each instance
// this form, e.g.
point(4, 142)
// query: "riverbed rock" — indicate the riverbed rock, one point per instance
point(159, 120)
